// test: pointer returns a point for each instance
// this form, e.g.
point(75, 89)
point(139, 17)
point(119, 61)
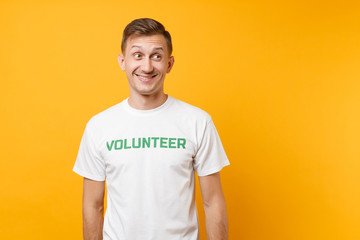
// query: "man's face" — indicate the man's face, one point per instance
point(146, 62)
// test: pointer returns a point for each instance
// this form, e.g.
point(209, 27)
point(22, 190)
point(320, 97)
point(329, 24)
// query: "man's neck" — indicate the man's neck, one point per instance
point(147, 102)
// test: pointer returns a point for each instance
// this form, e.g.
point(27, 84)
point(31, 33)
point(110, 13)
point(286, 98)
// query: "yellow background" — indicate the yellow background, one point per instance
point(279, 78)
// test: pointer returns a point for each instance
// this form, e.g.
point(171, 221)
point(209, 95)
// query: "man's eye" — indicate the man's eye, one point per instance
point(157, 56)
point(137, 55)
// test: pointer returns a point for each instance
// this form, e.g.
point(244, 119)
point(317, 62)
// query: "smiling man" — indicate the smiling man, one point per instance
point(148, 148)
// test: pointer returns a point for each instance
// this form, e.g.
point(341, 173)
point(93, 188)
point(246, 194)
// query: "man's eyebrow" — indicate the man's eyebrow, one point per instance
point(154, 49)
point(158, 48)
point(136, 46)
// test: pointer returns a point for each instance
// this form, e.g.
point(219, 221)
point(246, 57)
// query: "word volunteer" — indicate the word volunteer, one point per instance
point(149, 142)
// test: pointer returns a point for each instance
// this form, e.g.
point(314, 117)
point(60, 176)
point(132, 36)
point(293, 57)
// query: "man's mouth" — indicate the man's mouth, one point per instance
point(145, 78)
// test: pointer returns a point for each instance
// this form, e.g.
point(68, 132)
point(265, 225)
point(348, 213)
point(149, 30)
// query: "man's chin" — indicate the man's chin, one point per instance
point(147, 89)
point(148, 92)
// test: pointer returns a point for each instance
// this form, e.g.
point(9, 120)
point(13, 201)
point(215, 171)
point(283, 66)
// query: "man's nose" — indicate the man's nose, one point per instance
point(147, 65)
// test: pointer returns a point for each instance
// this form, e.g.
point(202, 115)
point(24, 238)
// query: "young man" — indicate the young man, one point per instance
point(147, 148)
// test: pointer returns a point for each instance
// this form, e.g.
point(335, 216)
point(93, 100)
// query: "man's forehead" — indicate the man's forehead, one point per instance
point(157, 42)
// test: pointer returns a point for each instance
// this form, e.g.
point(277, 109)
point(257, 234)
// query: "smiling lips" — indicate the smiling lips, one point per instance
point(145, 78)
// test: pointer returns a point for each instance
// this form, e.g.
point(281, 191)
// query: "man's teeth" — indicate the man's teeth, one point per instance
point(146, 77)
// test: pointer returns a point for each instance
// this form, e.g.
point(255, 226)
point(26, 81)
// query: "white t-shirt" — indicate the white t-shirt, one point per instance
point(148, 158)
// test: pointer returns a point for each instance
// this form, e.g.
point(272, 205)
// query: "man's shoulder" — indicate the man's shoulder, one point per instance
point(106, 115)
point(190, 110)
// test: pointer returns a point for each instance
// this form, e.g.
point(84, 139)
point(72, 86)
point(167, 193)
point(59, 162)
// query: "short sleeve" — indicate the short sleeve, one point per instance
point(88, 162)
point(210, 156)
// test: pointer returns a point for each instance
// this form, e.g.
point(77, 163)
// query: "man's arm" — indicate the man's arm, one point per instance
point(93, 209)
point(214, 206)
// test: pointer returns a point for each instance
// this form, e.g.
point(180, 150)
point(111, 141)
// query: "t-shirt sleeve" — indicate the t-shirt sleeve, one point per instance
point(210, 156)
point(89, 163)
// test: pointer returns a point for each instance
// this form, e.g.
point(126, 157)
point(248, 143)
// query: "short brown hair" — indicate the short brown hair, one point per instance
point(147, 27)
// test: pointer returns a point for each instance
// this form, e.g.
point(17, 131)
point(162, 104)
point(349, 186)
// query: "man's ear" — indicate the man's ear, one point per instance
point(170, 64)
point(121, 61)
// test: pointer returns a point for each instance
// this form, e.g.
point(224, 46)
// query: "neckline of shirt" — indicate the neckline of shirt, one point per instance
point(156, 110)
